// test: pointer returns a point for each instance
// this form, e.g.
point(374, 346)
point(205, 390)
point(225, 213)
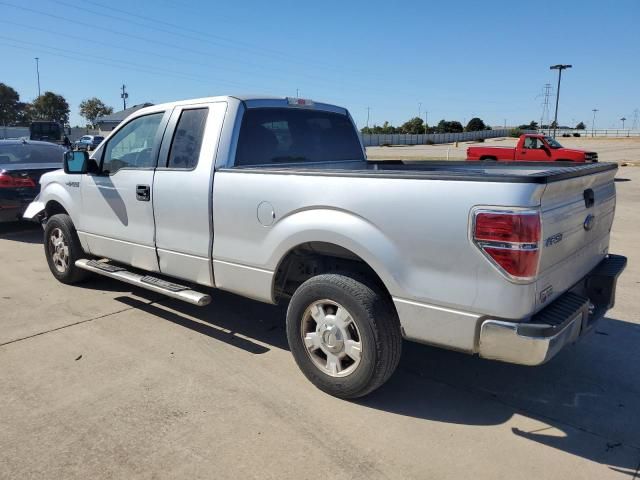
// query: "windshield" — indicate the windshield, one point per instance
point(553, 143)
point(282, 135)
point(28, 153)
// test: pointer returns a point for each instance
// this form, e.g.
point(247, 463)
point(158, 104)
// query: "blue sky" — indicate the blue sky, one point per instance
point(459, 59)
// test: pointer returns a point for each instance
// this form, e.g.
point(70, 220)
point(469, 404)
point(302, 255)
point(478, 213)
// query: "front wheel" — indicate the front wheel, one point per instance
point(343, 334)
point(62, 248)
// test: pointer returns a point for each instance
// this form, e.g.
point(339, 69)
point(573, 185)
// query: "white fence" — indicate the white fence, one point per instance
point(407, 139)
point(611, 132)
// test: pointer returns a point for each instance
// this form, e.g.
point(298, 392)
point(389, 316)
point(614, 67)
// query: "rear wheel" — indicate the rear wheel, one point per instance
point(62, 248)
point(344, 335)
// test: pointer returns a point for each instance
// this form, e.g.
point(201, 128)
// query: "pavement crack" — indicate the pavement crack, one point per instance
point(65, 326)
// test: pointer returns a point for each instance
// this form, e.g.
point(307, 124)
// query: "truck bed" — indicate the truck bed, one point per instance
point(512, 172)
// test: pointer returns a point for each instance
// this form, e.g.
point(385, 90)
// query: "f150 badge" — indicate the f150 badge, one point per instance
point(553, 239)
point(73, 184)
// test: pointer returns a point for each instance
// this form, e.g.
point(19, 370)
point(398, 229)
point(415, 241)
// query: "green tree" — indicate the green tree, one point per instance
point(475, 125)
point(533, 125)
point(92, 108)
point(581, 126)
point(9, 104)
point(51, 106)
point(445, 126)
point(413, 126)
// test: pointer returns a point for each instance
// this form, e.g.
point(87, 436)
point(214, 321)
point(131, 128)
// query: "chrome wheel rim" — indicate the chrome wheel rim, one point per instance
point(59, 250)
point(331, 337)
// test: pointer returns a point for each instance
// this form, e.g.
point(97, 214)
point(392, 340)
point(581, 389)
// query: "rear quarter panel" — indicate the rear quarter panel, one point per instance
point(413, 233)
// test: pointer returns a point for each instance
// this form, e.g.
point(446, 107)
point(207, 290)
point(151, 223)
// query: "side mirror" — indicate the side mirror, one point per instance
point(76, 161)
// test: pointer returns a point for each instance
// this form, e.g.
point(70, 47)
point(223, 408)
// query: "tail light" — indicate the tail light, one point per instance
point(10, 181)
point(510, 240)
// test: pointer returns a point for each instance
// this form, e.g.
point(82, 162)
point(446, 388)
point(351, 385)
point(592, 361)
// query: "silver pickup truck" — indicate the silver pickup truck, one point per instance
point(273, 199)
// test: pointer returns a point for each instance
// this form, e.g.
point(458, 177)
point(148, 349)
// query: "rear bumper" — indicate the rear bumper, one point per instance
point(562, 322)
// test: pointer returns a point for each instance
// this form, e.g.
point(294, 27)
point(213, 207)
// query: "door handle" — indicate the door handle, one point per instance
point(143, 193)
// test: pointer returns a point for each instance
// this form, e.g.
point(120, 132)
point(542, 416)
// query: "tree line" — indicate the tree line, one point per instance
point(417, 125)
point(48, 106)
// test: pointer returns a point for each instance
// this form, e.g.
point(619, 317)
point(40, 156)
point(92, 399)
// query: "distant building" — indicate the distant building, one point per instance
point(107, 123)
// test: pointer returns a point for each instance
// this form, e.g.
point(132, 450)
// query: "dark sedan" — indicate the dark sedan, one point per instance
point(22, 163)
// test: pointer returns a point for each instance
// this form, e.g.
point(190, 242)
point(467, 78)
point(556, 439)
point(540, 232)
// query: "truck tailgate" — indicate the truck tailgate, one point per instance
point(577, 214)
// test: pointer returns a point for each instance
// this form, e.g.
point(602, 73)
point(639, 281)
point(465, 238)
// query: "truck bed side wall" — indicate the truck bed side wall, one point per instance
point(413, 233)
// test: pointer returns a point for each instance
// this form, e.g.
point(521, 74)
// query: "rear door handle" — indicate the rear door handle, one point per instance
point(143, 193)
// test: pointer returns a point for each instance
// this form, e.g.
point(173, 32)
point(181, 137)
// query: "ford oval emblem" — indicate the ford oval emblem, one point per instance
point(589, 222)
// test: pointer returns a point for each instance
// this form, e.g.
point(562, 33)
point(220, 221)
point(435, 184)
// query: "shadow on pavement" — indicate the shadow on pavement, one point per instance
point(25, 232)
point(592, 388)
point(587, 397)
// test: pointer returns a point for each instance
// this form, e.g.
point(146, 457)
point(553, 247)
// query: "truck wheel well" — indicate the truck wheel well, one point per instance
point(53, 208)
point(315, 258)
point(489, 158)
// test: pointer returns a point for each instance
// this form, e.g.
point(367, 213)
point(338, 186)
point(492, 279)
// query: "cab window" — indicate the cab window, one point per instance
point(187, 139)
point(132, 145)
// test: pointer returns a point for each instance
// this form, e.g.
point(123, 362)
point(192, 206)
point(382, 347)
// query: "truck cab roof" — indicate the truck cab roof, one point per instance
point(250, 101)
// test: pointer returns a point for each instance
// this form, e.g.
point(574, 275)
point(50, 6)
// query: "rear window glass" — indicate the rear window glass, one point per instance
point(26, 153)
point(290, 135)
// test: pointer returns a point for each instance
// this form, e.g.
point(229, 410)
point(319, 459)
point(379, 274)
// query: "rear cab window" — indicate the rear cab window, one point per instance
point(271, 136)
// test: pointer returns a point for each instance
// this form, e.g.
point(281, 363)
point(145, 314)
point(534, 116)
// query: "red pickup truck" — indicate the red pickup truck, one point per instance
point(532, 148)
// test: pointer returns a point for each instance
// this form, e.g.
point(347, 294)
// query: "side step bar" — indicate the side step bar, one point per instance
point(154, 284)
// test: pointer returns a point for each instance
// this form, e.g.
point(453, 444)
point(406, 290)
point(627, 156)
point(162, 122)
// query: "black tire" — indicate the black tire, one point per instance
point(489, 159)
point(378, 330)
point(62, 224)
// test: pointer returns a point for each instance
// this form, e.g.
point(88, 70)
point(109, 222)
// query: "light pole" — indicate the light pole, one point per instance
point(623, 120)
point(38, 73)
point(419, 109)
point(593, 122)
point(558, 67)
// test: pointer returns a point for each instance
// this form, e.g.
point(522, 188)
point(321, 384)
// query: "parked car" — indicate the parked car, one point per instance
point(532, 148)
point(273, 199)
point(88, 142)
point(22, 163)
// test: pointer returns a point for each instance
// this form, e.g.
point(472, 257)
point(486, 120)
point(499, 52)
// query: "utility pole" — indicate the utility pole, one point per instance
point(419, 109)
point(124, 95)
point(593, 122)
point(38, 73)
point(297, 93)
point(622, 120)
point(426, 123)
point(558, 67)
point(368, 111)
point(636, 113)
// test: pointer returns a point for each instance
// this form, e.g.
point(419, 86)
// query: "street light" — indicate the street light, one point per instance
point(38, 73)
point(558, 67)
point(623, 119)
point(593, 122)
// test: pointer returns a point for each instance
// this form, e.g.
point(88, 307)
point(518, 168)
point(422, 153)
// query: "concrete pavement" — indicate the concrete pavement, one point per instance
point(99, 381)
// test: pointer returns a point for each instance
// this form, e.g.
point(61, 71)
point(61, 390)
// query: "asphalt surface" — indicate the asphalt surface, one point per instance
point(101, 381)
